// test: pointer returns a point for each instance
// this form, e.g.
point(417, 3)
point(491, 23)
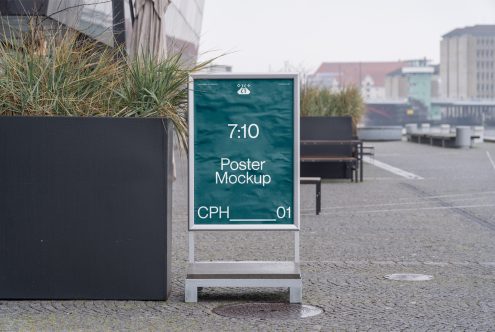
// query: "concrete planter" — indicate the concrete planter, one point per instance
point(380, 133)
point(445, 129)
point(411, 128)
point(463, 137)
point(424, 127)
point(85, 208)
point(479, 131)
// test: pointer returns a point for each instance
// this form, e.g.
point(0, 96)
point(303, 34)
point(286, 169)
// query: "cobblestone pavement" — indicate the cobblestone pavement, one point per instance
point(443, 226)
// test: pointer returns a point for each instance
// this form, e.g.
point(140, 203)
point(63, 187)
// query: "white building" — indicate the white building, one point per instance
point(467, 63)
point(368, 76)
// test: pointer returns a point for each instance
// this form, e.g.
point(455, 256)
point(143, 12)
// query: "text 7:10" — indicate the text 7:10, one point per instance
point(244, 131)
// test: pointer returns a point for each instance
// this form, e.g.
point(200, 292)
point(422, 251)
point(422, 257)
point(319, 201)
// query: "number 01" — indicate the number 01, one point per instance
point(283, 212)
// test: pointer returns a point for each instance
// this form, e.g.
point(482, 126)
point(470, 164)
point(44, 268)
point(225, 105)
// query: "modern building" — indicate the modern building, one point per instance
point(396, 85)
point(183, 21)
point(467, 63)
point(398, 82)
point(109, 22)
point(215, 68)
point(418, 82)
point(368, 76)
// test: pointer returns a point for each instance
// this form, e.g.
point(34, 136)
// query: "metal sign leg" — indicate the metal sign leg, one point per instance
point(191, 247)
point(191, 292)
point(296, 246)
point(295, 294)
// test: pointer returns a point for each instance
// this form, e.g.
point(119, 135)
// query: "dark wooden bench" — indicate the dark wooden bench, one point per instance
point(316, 181)
point(329, 150)
point(368, 151)
point(354, 162)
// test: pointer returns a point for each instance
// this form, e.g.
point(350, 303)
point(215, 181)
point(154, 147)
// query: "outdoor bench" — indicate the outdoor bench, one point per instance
point(328, 148)
point(368, 151)
point(353, 161)
point(316, 181)
point(437, 139)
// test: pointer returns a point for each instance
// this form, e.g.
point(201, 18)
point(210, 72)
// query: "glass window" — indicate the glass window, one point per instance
point(91, 17)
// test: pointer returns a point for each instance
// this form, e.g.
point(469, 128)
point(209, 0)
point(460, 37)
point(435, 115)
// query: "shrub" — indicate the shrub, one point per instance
point(62, 76)
point(66, 74)
point(323, 102)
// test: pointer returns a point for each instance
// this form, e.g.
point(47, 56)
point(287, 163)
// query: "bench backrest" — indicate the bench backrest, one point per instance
point(326, 128)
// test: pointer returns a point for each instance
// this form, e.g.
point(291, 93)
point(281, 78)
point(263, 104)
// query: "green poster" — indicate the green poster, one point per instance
point(243, 152)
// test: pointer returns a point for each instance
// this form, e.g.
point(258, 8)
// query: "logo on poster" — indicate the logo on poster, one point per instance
point(243, 89)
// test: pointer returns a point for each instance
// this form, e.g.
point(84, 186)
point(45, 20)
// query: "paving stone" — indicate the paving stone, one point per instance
point(367, 230)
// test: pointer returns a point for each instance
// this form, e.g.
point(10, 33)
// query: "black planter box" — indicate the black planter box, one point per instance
point(85, 208)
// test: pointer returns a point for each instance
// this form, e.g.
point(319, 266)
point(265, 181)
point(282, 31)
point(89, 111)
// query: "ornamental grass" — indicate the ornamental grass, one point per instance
point(63, 73)
point(323, 102)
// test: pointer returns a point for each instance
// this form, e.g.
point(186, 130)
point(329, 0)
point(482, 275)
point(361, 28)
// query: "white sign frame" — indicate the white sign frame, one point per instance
point(291, 227)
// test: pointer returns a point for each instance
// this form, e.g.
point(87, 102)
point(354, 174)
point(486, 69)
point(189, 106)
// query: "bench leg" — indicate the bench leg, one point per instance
point(191, 292)
point(295, 294)
point(318, 198)
point(361, 169)
point(361, 164)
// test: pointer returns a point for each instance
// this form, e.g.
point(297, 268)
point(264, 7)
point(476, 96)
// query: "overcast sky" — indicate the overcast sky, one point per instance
point(261, 35)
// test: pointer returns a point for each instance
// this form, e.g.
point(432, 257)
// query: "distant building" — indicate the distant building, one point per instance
point(417, 82)
point(398, 82)
point(368, 76)
point(396, 85)
point(218, 69)
point(467, 63)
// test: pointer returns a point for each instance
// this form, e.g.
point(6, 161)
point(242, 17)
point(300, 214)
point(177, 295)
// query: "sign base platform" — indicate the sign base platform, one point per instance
point(244, 274)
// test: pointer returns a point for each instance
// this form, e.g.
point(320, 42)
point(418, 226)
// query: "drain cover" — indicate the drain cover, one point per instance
point(268, 311)
point(409, 277)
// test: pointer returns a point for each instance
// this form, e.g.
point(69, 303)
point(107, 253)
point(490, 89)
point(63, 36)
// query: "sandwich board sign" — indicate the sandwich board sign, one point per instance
point(244, 152)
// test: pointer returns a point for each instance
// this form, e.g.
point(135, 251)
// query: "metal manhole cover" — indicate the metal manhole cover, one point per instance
point(268, 310)
point(408, 277)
